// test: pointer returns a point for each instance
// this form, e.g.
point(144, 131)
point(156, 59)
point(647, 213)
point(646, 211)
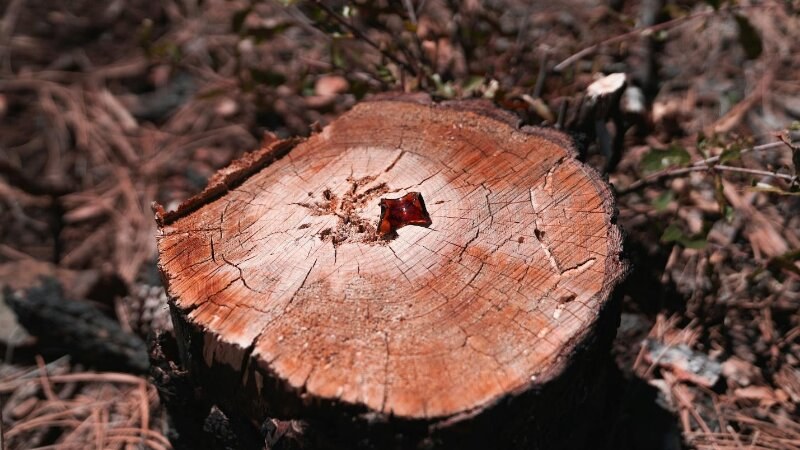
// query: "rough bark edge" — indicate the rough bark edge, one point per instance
point(228, 178)
point(616, 266)
point(560, 413)
point(319, 408)
point(583, 341)
point(421, 98)
point(486, 108)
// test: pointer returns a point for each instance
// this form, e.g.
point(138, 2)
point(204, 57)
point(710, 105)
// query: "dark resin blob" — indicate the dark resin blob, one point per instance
point(399, 212)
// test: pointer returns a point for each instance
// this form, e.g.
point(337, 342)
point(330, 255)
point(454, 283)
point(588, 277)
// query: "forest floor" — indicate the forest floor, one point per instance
point(106, 107)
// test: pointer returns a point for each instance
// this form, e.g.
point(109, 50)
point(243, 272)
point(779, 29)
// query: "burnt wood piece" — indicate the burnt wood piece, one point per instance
point(76, 327)
point(600, 117)
point(490, 327)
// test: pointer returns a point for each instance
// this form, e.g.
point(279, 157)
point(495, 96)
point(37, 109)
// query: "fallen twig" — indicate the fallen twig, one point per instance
point(7, 23)
point(709, 164)
point(651, 29)
point(2, 440)
point(34, 187)
point(361, 35)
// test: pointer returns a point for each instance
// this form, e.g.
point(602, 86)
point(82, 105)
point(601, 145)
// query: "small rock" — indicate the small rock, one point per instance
point(606, 85)
point(11, 332)
point(329, 85)
point(683, 362)
point(227, 107)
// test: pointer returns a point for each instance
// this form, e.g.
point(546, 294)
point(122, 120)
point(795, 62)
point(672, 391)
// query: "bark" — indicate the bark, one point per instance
point(490, 326)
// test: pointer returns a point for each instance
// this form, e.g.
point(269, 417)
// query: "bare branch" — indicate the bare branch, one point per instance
point(710, 165)
point(361, 35)
point(651, 29)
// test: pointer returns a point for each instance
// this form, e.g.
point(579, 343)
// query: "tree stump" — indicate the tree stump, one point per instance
point(491, 325)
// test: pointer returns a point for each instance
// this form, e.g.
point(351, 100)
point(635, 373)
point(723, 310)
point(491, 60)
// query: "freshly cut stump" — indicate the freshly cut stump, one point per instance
point(490, 325)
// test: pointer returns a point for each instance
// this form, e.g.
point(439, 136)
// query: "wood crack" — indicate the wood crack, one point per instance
point(391, 166)
point(578, 268)
point(241, 274)
point(385, 373)
point(539, 234)
point(548, 178)
point(302, 283)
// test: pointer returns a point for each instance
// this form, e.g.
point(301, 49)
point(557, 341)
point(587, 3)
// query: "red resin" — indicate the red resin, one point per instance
point(406, 210)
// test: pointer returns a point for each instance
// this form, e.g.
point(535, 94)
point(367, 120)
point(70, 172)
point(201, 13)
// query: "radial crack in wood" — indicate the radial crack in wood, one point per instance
point(279, 278)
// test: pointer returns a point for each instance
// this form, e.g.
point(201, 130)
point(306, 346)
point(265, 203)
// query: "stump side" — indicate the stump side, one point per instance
point(283, 275)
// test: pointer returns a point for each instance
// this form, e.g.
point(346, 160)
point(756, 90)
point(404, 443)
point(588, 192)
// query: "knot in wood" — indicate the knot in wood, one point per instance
point(352, 226)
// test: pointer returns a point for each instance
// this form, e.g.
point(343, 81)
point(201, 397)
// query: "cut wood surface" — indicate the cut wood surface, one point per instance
point(280, 269)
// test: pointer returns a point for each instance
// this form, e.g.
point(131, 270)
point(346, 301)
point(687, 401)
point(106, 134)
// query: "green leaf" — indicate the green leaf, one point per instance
point(166, 49)
point(337, 53)
point(656, 159)
point(673, 233)
point(731, 153)
point(697, 244)
point(729, 213)
point(385, 74)
point(472, 84)
point(443, 89)
point(144, 34)
point(662, 202)
point(749, 38)
point(409, 26)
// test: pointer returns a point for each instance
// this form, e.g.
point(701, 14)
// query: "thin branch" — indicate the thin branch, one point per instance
point(359, 34)
point(2, 437)
point(763, 173)
point(709, 164)
point(757, 148)
point(653, 177)
point(537, 89)
point(651, 29)
point(412, 15)
point(7, 23)
point(41, 186)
